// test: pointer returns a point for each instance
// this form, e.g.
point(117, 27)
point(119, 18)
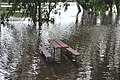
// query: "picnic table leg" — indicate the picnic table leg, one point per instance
point(54, 54)
point(61, 54)
point(75, 58)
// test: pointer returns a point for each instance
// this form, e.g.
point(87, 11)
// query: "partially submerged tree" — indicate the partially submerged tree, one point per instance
point(79, 10)
point(91, 8)
point(99, 6)
point(38, 10)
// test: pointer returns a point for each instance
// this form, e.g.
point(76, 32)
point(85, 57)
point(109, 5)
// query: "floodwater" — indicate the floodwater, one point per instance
point(96, 38)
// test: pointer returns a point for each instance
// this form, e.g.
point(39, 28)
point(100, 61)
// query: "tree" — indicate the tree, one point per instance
point(79, 10)
point(99, 6)
point(30, 8)
point(117, 3)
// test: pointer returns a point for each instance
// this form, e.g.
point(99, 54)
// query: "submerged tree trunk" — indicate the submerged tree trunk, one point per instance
point(39, 14)
point(48, 14)
point(79, 10)
point(0, 25)
point(111, 5)
point(0, 19)
point(50, 8)
point(118, 9)
point(117, 6)
point(33, 12)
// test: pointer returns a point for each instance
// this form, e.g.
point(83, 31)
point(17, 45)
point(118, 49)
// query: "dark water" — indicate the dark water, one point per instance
point(97, 41)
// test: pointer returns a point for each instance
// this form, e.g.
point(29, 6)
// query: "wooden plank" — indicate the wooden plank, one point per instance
point(63, 45)
point(74, 52)
point(45, 52)
point(54, 44)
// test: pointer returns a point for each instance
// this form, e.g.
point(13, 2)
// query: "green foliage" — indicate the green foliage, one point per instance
point(3, 0)
point(1, 13)
point(29, 7)
point(99, 6)
point(63, 0)
point(4, 14)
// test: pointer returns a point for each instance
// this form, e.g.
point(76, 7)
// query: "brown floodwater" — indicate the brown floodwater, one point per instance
point(96, 38)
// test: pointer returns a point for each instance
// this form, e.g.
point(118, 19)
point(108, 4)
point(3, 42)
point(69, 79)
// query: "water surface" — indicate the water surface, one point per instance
point(98, 42)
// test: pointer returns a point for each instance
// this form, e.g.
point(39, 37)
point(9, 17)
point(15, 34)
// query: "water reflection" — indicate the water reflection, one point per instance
point(98, 44)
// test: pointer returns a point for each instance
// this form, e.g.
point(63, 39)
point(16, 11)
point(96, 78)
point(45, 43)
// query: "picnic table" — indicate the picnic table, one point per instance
point(58, 44)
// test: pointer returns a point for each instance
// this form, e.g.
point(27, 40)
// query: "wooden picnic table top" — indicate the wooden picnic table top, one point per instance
point(54, 44)
point(63, 45)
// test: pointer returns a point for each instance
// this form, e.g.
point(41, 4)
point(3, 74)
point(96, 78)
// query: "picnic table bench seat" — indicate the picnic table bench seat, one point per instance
point(74, 52)
point(45, 52)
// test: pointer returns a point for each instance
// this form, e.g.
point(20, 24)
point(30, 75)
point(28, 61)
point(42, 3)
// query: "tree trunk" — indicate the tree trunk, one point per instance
point(39, 14)
point(0, 26)
point(118, 14)
point(82, 21)
point(0, 20)
point(118, 9)
point(76, 22)
point(111, 3)
point(79, 10)
point(117, 6)
point(50, 8)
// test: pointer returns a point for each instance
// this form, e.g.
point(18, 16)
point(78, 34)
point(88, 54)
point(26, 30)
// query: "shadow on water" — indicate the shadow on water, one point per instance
point(97, 42)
